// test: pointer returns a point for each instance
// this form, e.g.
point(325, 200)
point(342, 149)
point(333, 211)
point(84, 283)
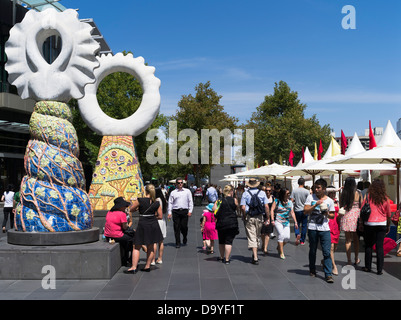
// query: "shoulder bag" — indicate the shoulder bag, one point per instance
point(365, 210)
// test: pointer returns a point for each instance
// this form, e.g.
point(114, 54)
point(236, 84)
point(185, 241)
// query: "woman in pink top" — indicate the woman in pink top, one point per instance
point(116, 223)
point(378, 224)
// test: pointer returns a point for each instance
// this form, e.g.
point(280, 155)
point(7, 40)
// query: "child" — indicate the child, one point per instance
point(203, 237)
point(334, 225)
point(208, 228)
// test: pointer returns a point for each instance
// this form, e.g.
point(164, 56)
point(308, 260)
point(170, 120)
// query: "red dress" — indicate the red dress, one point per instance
point(334, 224)
point(209, 229)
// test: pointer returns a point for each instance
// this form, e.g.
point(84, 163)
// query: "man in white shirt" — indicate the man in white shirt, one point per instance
point(180, 206)
point(320, 208)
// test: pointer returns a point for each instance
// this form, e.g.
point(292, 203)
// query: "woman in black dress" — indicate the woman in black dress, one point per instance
point(148, 230)
point(227, 223)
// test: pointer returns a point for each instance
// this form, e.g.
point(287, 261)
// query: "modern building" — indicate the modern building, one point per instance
point(15, 112)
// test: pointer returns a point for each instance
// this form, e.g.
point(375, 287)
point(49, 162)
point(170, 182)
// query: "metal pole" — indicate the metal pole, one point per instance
point(14, 11)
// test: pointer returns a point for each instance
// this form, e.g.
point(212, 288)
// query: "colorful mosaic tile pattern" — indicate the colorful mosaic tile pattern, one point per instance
point(117, 173)
point(53, 197)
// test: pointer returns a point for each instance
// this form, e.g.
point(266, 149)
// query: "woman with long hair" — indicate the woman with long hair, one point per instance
point(378, 224)
point(283, 208)
point(350, 200)
point(148, 230)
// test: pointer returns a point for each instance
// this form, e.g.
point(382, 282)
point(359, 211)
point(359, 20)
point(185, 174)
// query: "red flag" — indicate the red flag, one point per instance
point(303, 155)
point(319, 155)
point(344, 142)
point(372, 141)
point(290, 159)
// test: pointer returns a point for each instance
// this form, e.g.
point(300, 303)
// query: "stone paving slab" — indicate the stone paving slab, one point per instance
point(190, 274)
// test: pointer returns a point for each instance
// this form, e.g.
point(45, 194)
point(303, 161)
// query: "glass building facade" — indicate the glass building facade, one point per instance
point(15, 112)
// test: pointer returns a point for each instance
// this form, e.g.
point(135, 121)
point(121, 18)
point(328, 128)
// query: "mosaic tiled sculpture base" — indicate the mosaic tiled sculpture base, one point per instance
point(117, 173)
point(53, 197)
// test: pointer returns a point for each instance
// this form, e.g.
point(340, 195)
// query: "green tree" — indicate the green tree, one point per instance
point(280, 126)
point(119, 95)
point(201, 111)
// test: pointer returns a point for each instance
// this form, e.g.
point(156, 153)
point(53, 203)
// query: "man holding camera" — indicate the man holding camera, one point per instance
point(320, 208)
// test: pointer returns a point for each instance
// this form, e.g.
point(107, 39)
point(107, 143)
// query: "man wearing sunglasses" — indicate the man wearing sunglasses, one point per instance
point(180, 206)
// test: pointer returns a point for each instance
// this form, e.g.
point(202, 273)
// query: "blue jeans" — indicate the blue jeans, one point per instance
point(325, 241)
point(302, 221)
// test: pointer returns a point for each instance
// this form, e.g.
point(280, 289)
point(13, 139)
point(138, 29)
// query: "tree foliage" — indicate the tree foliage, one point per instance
point(202, 111)
point(119, 95)
point(280, 126)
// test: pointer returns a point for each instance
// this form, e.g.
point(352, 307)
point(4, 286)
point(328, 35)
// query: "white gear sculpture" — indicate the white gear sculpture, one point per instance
point(67, 76)
point(138, 122)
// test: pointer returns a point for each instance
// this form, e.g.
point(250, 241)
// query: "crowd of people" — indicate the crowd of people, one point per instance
point(266, 212)
point(269, 211)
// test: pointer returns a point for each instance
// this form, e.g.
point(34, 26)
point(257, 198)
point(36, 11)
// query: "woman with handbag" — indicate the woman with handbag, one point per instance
point(148, 231)
point(115, 227)
point(350, 200)
point(226, 223)
point(377, 225)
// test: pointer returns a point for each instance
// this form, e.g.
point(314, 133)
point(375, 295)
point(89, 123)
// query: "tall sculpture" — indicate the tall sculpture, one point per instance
point(53, 197)
point(117, 171)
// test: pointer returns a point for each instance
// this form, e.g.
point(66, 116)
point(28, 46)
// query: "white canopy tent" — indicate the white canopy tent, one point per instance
point(311, 167)
point(232, 179)
point(330, 162)
point(388, 151)
point(273, 169)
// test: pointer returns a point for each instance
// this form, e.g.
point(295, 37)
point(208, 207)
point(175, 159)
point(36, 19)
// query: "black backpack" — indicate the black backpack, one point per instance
point(255, 205)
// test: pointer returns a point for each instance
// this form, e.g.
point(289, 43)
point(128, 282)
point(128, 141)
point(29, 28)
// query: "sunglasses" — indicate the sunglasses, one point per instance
point(180, 182)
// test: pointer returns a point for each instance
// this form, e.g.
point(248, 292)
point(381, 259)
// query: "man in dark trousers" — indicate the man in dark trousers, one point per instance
point(180, 206)
point(299, 197)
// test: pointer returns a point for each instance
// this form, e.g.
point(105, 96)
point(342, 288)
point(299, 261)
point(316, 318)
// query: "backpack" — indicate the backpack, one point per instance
point(255, 205)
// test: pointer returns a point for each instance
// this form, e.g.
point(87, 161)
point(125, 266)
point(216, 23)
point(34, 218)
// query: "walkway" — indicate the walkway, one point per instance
point(190, 274)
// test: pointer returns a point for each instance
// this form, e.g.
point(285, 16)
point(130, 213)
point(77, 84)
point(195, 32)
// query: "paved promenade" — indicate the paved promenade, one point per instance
point(190, 274)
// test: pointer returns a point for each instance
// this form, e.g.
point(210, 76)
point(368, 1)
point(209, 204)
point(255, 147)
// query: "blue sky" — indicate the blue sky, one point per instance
point(345, 77)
